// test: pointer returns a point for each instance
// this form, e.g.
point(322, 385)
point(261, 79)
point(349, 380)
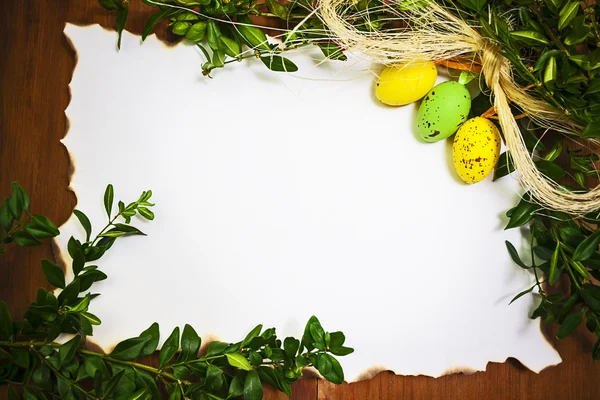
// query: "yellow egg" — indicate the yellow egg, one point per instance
point(476, 149)
point(401, 84)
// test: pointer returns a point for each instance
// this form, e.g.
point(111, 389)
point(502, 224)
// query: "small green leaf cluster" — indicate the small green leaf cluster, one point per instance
point(225, 33)
point(18, 225)
point(43, 368)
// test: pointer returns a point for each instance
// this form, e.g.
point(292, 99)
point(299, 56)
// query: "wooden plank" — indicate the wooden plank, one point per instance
point(35, 69)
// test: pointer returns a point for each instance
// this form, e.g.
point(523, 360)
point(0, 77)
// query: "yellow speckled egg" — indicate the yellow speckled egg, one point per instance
point(476, 149)
point(402, 84)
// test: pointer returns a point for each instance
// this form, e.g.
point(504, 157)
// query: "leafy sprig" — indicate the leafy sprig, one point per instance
point(32, 360)
point(18, 225)
point(221, 29)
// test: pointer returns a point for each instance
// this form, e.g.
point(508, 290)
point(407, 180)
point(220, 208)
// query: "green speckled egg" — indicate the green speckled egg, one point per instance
point(443, 110)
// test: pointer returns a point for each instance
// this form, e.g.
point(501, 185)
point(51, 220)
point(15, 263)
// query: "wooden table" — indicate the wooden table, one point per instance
point(36, 63)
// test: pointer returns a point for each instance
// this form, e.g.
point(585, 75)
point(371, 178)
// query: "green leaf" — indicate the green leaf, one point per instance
point(93, 364)
point(197, 32)
point(550, 169)
point(553, 276)
point(54, 275)
point(6, 217)
point(551, 71)
point(587, 247)
point(109, 196)
point(20, 357)
point(76, 253)
point(591, 295)
point(113, 5)
point(153, 20)
point(169, 348)
point(514, 254)
point(41, 375)
point(229, 46)
point(278, 9)
point(554, 152)
point(181, 28)
point(255, 358)
point(175, 393)
point(291, 346)
point(330, 368)
point(216, 347)
point(121, 21)
point(16, 202)
point(238, 361)
point(23, 193)
point(143, 378)
point(190, 343)
point(332, 51)
point(578, 33)
point(317, 333)
point(67, 351)
point(570, 324)
point(25, 239)
point(87, 279)
point(336, 339)
point(593, 87)
point(85, 222)
point(70, 292)
point(146, 213)
point(251, 335)
point(252, 35)
point(523, 293)
point(341, 351)
point(218, 58)
point(522, 213)
point(130, 349)
point(307, 340)
point(153, 333)
point(91, 318)
point(252, 387)
point(213, 34)
point(567, 14)
point(532, 38)
point(214, 378)
point(112, 384)
point(591, 130)
point(41, 227)
point(128, 229)
point(504, 166)
point(236, 387)
point(278, 63)
point(267, 375)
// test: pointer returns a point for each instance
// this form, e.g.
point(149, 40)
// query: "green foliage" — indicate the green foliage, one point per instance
point(30, 357)
point(18, 225)
point(562, 247)
point(206, 24)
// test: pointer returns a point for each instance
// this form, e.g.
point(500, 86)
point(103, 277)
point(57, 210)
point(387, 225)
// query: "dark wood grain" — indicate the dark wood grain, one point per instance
point(36, 64)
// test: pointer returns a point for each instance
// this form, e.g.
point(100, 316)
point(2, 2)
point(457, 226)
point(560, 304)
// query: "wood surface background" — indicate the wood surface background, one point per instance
point(36, 64)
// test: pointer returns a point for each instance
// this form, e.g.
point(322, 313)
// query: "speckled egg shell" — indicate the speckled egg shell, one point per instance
point(442, 111)
point(476, 149)
point(402, 84)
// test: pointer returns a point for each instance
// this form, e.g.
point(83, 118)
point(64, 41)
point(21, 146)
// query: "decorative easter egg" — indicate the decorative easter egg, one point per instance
point(402, 84)
point(443, 110)
point(476, 149)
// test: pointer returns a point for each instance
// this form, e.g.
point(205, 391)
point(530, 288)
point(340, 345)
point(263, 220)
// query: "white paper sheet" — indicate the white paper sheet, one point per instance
point(279, 196)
